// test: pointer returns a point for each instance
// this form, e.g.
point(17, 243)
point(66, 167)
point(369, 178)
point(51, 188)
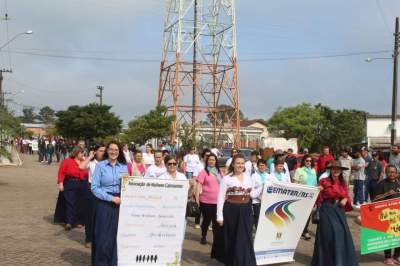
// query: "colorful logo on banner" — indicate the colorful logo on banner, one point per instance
point(380, 226)
point(279, 213)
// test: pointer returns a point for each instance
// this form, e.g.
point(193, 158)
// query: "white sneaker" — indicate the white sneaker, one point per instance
point(358, 206)
point(197, 226)
point(210, 228)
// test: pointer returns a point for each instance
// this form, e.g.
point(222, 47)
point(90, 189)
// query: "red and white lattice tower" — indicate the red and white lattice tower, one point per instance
point(198, 74)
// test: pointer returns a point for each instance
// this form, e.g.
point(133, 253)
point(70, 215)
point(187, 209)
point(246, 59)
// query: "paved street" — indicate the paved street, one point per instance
point(28, 237)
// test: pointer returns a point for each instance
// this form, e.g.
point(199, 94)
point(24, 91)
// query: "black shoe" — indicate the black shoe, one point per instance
point(203, 240)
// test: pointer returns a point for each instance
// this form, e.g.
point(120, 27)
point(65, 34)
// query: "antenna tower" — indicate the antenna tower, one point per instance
point(198, 72)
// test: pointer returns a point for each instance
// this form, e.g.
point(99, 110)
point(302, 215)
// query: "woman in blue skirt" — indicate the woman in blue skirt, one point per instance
point(106, 185)
point(333, 241)
point(235, 215)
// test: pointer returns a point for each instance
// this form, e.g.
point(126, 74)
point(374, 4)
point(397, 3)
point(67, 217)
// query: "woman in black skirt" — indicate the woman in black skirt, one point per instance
point(333, 242)
point(72, 187)
point(106, 185)
point(234, 213)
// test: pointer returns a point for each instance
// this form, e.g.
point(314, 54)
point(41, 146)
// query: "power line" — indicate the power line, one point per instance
point(382, 15)
point(63, 56)
point(258, 59)
point(314, 56)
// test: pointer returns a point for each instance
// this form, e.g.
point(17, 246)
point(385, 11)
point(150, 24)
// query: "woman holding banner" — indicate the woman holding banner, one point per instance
point(235, 214)
point(306, 175)
point(389, 188)
point(333, 242)
point(106, 185)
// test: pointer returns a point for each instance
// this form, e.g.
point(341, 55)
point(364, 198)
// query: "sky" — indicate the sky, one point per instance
point(287, 53)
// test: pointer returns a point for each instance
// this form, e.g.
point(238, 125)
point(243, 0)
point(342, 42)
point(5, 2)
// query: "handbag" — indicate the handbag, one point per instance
point(315, 215)
point(192, 209)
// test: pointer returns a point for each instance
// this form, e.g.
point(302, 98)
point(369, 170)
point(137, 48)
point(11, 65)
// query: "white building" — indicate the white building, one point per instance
point(379, 130)
point(253, 134)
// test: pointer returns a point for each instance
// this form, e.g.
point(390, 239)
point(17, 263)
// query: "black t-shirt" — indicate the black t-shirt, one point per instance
point(375, 169)
point(385, 186)
point(291, 162)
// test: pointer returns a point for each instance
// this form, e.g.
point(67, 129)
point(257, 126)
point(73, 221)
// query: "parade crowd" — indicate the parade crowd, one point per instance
point(229, 197)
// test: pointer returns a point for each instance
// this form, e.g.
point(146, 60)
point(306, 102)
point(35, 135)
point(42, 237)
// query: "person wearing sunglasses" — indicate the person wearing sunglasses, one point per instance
point(389, 188)
point(172, 169)
point(306, 175)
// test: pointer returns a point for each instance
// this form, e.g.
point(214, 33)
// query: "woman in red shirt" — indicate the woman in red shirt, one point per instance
point(333, 242)
point(72, 186)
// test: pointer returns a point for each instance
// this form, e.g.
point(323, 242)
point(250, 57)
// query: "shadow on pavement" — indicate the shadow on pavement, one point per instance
point(75, 257)
point(193, 257)
point(301, 258)
point(373, 257)
point(77, 235)
point(49, 219)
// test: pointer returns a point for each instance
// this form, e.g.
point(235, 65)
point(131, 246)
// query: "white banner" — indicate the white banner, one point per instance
point(285, 208)
point(152, 222)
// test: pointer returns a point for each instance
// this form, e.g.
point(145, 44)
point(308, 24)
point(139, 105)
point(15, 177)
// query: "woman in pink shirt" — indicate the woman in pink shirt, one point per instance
point(138, 167)
point(208, 182)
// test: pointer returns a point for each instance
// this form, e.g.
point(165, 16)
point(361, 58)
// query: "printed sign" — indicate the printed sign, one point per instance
point(380, 226)
point(152, 221)
point(285, 209)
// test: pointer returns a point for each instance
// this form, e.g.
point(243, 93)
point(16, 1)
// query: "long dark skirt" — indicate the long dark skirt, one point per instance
point(75, 193)
point(238, 225)
point(218, 246)
point(90, 208)
point(59, 213)
point(104, 240)
point(333, 242)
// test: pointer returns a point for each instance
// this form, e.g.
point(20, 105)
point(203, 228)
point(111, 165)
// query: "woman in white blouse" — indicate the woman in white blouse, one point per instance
point(235, 214)
point(172, 166)
point(148, 156)
point(279, 172)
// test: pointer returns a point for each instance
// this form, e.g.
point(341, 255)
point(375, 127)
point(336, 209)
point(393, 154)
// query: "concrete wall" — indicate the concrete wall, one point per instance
point(281, 143)
point(379, 127)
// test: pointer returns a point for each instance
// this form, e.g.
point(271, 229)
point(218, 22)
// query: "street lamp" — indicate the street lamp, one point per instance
point(28, 32)
point(369, 59)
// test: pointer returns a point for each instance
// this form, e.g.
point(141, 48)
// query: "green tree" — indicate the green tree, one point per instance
point(154, 124)
point(349, 127)
point(47, 115)
point(9, 124)
point(301, 122)
point(316, 126)
point(88, 122)
point(28, 115)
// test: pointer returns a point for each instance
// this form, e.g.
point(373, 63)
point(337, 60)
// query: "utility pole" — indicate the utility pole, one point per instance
point(2, 94)
point(394, 96)
point(100, 94)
